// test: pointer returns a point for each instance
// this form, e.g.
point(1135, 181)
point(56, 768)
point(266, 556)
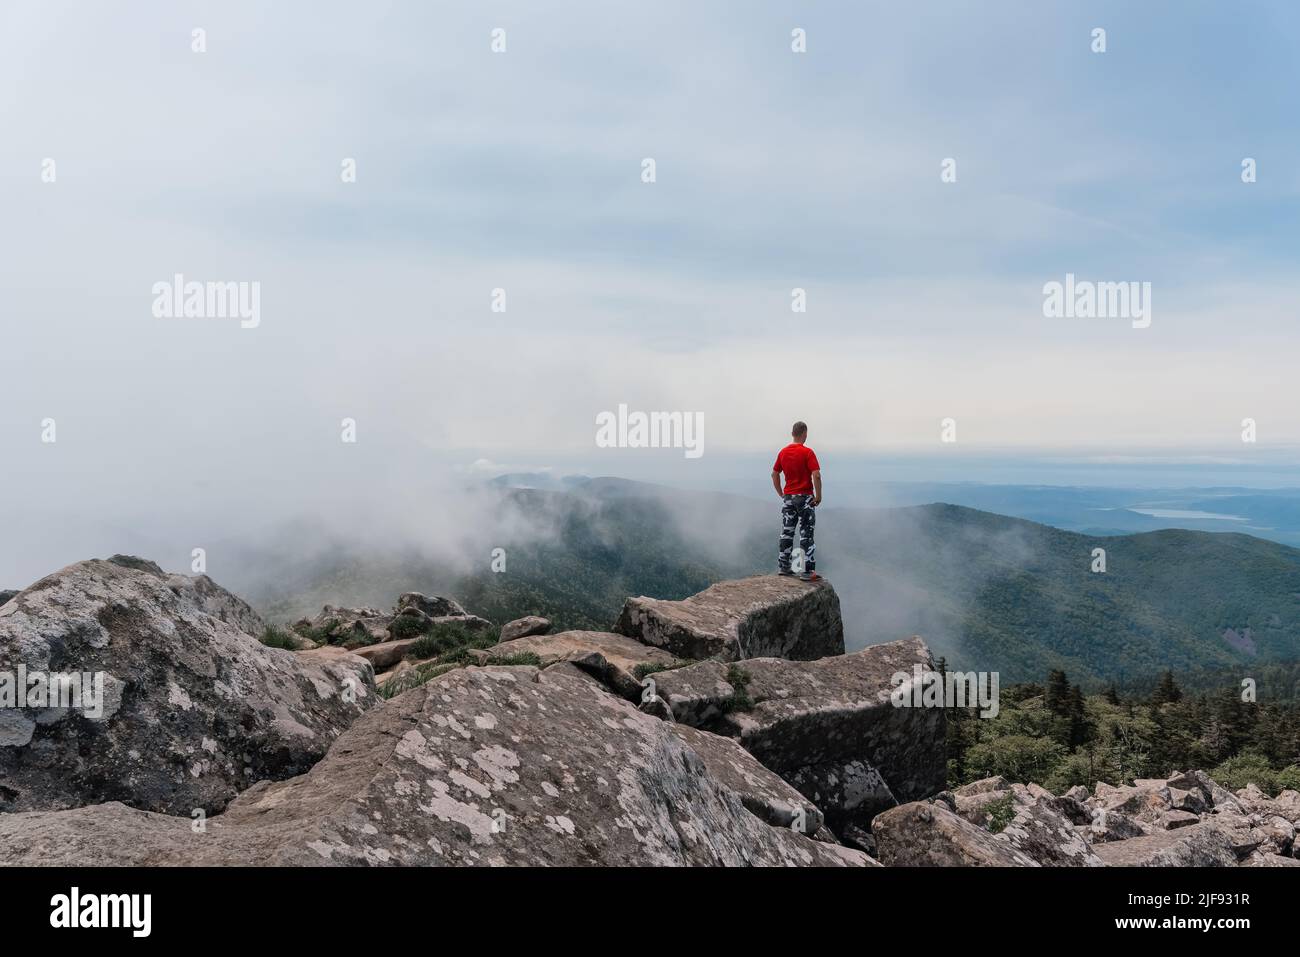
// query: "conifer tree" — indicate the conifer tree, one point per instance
point(1167, 692)
point(1057, 697)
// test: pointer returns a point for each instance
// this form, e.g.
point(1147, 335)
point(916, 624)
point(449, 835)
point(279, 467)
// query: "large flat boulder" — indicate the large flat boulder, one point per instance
point(194, 709)
point(758, 617)
point(925, 834)
point(1200, 845)
point(480, 766)
point(829, 727)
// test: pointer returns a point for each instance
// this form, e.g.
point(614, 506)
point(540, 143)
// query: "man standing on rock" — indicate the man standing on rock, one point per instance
point(802, 494)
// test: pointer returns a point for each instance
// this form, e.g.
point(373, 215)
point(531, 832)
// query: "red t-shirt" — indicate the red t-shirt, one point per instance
point(798, 462)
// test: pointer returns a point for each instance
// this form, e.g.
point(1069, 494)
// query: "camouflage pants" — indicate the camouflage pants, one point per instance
point(797, 510)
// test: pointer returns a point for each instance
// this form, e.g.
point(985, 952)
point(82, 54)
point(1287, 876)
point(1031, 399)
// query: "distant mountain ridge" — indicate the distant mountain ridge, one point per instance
point(988, 592)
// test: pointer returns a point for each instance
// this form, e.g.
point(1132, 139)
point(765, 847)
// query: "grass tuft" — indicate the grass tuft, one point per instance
point(739, 680)
point(420, 674)
point(447, 638)
point(276, 637)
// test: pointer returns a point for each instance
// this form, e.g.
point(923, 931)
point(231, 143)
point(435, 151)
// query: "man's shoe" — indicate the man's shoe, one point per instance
point(810, 577)
point(785, 573)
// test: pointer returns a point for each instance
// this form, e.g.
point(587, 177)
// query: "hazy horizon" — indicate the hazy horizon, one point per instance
point(401, 515)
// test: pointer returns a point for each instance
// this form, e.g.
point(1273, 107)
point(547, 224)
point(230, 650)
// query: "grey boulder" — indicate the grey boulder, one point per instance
point(193, 710)
point(1199, 845)
point(762, 616)
point(431, 605)
point(480, 766)
point(764, 793)
point(524, 627)
point(1040, 832)
point(830, 727)
point(926, 834)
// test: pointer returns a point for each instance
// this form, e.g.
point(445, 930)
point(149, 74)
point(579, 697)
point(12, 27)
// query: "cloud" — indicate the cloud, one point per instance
point(488, 468)
point(521, 171)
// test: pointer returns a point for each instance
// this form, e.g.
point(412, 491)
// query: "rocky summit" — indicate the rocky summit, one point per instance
point(758, 617)
point(729, 728)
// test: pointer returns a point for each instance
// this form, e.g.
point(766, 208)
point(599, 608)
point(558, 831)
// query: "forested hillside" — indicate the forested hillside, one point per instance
point(989, 593)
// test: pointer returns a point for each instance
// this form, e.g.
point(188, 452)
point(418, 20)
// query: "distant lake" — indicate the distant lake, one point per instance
point(1186, 513)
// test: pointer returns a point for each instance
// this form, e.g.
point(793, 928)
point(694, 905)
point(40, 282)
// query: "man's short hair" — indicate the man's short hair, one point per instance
point(800, 428)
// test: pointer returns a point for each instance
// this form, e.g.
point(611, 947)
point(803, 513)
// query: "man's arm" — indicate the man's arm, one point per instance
point(776, 481)
point(817, 487)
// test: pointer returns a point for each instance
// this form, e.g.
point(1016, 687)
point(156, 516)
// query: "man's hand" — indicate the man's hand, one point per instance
point(776, 484)
point(817, 501)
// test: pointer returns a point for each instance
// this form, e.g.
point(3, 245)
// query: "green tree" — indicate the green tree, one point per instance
point(1250, 768)
point(1167, 691)
point(1079, 730)
point(1057, 698)
point(1014, 756)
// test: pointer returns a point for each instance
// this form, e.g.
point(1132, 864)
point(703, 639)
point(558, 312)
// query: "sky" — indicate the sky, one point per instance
point(522, 170)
